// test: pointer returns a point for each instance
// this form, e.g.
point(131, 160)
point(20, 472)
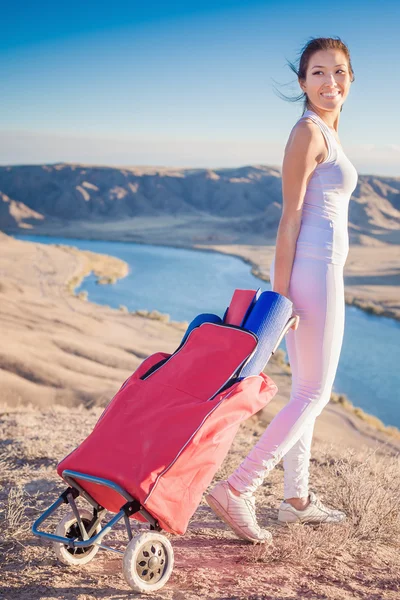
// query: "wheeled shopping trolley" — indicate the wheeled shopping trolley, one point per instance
point(161, 439)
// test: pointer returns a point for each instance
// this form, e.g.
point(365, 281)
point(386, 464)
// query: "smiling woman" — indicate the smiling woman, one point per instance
point(311, 249)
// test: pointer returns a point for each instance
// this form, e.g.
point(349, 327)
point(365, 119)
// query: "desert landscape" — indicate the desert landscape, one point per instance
point(62, 360)
point(147, 154)
point(232, 210)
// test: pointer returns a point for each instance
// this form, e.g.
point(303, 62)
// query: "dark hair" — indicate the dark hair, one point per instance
point(312, 46)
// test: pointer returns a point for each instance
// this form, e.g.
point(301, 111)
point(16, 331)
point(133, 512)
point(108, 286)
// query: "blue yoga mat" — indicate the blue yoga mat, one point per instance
point(267, 320)
point(202, 318)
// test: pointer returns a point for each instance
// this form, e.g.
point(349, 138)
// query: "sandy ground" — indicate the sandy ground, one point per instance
point(63, 358)
point(357, 559)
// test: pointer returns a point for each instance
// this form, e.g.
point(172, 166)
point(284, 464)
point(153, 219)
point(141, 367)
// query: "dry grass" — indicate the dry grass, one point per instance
point(258, 272)
point(379, 307)
point(210, 561)
point(107, 269)
point(15, 522)
point(107, 280)
point(372, 308)
point(156, 315)
point(367, 488)
point(372, 420)
point(369, 492)
point(152, 314)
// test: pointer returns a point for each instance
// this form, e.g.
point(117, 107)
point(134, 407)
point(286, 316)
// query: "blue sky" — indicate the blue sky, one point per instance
point(187, 83)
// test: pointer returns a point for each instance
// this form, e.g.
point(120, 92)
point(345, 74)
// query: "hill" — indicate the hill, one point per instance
point(245, 201)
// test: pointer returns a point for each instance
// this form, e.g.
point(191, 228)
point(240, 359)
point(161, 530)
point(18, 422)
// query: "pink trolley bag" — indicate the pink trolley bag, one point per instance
point(161, 439)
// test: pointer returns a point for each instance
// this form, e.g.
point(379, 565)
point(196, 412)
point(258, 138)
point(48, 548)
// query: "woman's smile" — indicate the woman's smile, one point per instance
point(330, 95)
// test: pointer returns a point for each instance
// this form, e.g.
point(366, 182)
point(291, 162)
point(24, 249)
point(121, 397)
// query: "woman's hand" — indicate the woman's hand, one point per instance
point(297, 321)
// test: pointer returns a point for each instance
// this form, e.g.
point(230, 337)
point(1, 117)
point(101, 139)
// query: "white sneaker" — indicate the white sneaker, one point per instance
point(315, 512)
point(238, 512)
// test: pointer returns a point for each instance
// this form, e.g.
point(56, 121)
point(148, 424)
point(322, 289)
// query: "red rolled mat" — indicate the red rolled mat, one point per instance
point(241, 300)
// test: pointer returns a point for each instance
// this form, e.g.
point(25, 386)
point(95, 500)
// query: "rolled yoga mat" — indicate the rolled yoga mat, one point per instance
point(267, 320)
point(202, 318)
point(240, 306)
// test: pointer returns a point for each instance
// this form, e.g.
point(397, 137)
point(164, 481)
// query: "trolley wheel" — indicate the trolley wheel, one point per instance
point(68, 527)
point(148, 562)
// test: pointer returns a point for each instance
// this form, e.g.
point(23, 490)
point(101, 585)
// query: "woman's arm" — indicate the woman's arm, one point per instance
point(303, 153)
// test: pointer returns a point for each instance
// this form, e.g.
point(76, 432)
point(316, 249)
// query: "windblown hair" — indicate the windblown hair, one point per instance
point(306, 53)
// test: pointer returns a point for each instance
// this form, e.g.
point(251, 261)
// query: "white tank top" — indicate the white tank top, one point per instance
point(324, 222)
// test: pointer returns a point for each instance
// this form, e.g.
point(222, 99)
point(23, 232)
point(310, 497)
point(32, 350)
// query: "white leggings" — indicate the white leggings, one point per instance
point(317, 292)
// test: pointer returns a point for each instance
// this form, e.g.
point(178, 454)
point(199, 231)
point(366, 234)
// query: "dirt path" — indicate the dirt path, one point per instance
point(325, 562)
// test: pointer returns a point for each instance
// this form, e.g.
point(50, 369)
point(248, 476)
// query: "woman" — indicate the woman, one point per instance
point(311, 250)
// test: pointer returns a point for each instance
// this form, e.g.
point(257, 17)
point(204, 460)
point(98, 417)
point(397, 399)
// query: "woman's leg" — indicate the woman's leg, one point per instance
point(296, 461)
point(317, 292)
point(296, 464)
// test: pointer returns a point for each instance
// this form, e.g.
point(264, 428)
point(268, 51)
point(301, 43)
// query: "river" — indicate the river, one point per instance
point(183, 283)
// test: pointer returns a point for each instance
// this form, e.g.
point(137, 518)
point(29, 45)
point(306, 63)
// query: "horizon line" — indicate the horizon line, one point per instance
point(171, 168)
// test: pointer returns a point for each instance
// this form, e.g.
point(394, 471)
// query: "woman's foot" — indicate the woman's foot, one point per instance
point(237, 511)
point(314, 512)
point(299, 503)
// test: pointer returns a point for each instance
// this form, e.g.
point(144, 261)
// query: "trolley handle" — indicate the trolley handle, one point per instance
point(288, 325)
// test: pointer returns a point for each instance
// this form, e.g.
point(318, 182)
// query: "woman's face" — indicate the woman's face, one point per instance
point(327, 82)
